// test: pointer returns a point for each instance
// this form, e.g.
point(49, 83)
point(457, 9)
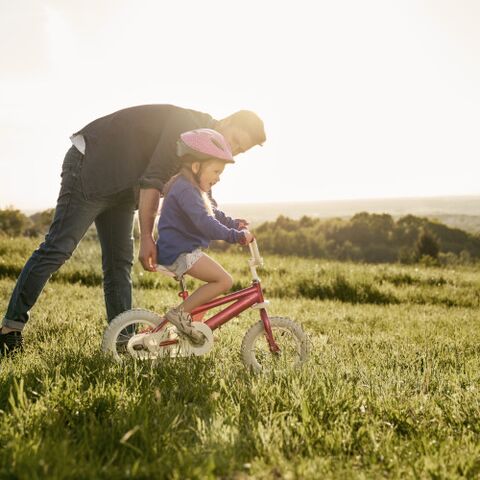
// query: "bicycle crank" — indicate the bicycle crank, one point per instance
point(188, 348)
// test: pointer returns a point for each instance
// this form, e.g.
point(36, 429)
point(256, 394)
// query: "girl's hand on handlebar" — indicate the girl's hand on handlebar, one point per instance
point(248, 236)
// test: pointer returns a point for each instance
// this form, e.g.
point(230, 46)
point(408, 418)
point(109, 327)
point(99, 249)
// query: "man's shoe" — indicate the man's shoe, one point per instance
point(183, 322)
point(10, 342)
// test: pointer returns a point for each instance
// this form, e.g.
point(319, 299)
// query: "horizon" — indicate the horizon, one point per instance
point(293, 203)
point(366, 199)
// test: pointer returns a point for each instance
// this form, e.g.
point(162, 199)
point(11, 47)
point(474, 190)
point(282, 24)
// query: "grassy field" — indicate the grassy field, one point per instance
point(391, 389)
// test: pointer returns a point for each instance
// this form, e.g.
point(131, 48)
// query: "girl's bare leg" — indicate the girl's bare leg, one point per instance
point(217, 278)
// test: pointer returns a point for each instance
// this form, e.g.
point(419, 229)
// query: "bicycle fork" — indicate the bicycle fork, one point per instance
point(274, 348)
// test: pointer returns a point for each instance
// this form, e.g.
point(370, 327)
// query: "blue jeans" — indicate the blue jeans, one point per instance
point(113, 217)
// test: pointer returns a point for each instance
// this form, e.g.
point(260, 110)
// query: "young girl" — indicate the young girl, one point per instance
point(189, 221)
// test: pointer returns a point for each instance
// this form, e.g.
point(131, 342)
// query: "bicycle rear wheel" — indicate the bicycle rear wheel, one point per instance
point(124, 327)
point(288, 335)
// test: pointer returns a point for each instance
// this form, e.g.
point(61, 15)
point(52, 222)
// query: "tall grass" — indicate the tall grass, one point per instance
point(390, 391)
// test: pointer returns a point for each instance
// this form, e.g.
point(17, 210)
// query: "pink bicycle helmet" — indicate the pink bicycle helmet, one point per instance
point(203, 144)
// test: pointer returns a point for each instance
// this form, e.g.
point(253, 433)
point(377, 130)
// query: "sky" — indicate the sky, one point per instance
point(370, 99)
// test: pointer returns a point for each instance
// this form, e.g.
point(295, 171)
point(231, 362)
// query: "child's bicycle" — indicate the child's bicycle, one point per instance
point(143, 334)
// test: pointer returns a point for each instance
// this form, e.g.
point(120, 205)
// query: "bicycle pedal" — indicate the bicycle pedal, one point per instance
point(191, 341)
point(191, 348)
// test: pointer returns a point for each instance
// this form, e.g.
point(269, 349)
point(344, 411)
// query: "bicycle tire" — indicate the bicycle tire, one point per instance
point(255, 351)
point(136, 316)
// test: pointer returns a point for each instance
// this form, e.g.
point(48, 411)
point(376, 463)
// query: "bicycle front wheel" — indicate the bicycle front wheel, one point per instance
point(288, 335)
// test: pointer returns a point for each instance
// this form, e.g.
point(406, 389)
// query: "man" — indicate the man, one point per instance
point(111, 160)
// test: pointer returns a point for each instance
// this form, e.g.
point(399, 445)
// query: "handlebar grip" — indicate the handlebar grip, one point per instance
point(254, 251)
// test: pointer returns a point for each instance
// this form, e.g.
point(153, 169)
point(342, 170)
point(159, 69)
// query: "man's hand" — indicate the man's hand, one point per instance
point(148, 254)
point(241, 223)
point(147, 211)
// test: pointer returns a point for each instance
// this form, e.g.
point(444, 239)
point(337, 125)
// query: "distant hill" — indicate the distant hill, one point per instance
point(459, 212)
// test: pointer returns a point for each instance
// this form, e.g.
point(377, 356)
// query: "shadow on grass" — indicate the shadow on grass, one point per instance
point(152, 418)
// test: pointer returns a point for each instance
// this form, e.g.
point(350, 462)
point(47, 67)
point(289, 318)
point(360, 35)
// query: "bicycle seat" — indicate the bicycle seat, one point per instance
point(165, 271)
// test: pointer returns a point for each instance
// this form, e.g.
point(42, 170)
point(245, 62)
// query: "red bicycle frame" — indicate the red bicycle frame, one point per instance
point(243, 299)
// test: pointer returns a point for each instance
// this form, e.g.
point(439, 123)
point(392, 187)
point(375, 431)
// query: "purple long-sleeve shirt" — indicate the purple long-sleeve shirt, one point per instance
point(185, 223)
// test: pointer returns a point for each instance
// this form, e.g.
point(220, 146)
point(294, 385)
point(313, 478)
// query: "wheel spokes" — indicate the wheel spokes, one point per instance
point(288, 354)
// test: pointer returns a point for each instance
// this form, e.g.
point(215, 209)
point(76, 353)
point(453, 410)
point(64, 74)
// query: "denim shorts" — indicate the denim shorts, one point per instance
point(184, 262)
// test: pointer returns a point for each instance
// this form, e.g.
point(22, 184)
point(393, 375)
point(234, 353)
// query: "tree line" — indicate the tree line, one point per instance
point(365, 237)
point(14, 223)
point(369, 237)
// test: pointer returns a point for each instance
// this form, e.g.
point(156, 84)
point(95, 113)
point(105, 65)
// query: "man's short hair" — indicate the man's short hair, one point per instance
point(251, 123)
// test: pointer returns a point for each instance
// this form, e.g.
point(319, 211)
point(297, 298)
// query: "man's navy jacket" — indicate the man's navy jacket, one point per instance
point(135, 147)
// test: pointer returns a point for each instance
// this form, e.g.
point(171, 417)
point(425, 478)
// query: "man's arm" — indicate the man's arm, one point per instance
point(147, 211)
